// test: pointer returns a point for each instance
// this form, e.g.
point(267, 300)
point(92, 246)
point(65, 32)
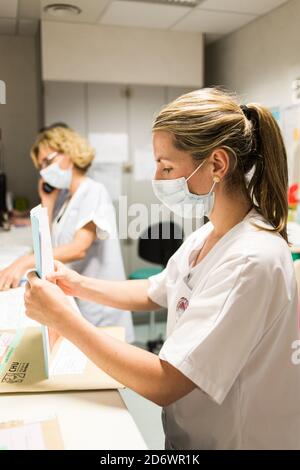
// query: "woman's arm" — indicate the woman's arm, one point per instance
point(10, 277)
point(140, 370)
point(77, 249)
point(125, 295)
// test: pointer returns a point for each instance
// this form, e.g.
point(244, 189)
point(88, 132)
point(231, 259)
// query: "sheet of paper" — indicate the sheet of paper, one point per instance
point(110, 175)
point(26, 437)
point(44, 262)
point(8, 344)
point(6, 340)
point(109, 147)
point(40, 435)
point(12, 310)
point(68, 360)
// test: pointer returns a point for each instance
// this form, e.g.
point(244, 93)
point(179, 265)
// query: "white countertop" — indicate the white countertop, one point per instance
point(14, 244)
point(16, 236)
point(94, 420)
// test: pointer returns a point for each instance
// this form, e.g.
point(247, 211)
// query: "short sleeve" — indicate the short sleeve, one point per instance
point(157, 290)
point(222, 325)
point(97, 207)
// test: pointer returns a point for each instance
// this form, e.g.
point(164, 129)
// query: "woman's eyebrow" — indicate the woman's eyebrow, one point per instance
point(162, 158)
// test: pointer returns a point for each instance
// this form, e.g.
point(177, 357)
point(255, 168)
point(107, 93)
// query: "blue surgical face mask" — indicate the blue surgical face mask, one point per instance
point(175, 195)
point(56, 177)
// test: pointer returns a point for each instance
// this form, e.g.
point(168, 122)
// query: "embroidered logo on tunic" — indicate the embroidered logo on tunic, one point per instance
point(182, 305)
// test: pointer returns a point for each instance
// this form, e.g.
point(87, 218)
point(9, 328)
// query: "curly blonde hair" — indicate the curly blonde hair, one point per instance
point(64, 140)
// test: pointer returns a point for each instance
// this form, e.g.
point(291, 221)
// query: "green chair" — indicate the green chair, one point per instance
point(145, 273)
point(295, 256)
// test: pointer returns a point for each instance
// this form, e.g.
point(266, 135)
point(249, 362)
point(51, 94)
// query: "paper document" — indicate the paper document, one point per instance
point(44, 262)
point(12, 310)
point(39, 435)
point(109, 147)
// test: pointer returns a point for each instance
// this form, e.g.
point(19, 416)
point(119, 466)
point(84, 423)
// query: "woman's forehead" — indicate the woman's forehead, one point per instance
point(164, 148)
point(43, 151)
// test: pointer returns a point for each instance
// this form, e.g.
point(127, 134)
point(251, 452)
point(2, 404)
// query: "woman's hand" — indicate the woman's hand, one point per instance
point(67, 279)
point(47, 304)
point(10, 277)
point(47, 199)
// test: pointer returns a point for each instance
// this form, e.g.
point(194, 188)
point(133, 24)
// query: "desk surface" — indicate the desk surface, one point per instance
point(88, 420)
point(16, 236)
point(13, 244)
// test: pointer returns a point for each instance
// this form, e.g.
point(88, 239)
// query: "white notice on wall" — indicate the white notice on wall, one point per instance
point(110, 175)
point(109, 147)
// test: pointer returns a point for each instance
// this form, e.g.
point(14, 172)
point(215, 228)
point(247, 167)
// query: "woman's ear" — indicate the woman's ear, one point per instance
point(221, 162)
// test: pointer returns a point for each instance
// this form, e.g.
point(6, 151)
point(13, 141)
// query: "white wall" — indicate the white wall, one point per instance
point(20, 116)
point(112, 54)
point(260, 60)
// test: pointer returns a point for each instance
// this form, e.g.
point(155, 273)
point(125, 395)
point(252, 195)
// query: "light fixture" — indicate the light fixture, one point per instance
point(180, 3)
point(62, 9)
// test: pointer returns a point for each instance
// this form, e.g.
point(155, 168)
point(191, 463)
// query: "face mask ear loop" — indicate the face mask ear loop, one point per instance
point(199, 166)
point(215, 181)
point(213, 186)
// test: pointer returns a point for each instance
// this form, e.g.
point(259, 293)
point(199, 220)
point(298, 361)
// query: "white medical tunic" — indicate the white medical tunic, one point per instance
point(232, 320)
point(91, 203)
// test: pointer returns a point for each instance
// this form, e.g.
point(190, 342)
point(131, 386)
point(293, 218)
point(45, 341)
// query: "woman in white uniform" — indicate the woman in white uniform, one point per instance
point(225, 375)
point(84, 231)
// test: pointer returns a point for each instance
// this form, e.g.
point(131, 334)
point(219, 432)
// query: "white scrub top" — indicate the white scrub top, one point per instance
point(91, 203)
point(230, 330)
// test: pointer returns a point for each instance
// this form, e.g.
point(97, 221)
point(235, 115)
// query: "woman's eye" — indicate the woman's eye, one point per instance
point(167, 170)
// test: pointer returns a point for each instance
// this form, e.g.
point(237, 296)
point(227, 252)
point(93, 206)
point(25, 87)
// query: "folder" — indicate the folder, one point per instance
point(69, 368)
point(44, 263)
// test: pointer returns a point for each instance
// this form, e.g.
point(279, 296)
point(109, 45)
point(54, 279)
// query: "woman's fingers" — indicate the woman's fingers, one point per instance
point(58, 265)
point(15, 282)
point(5, 282)
point(59, 272)
point(33, 279)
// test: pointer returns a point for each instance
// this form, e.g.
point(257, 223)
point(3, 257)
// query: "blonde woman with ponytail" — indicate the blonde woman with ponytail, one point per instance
point(224, 376)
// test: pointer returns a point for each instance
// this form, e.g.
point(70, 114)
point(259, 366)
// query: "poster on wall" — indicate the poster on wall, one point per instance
point(110, 175)
point(291, 134)
point(109, 147)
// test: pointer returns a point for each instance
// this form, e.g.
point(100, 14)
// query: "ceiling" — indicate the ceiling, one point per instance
point(216, 18)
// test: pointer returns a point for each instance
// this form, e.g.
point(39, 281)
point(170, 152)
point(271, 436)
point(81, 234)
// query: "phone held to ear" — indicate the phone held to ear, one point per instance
point(47, 188)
